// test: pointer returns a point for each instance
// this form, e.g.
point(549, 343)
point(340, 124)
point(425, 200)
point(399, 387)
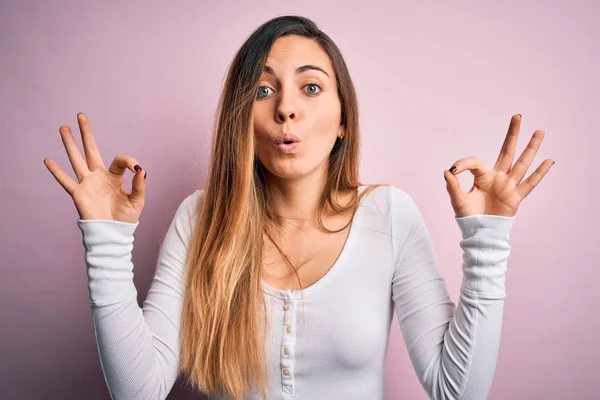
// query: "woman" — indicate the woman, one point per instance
point(280, 279)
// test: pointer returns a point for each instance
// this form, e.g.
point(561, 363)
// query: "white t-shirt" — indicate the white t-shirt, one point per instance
point(334, 345)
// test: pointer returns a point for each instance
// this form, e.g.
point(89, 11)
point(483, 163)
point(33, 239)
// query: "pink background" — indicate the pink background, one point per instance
point(435, 82)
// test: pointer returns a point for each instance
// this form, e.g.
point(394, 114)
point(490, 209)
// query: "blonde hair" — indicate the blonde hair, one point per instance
point(224, 316)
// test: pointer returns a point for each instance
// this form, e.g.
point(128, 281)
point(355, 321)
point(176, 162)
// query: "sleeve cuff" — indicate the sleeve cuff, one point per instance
point(498, 223)
point(117, 231)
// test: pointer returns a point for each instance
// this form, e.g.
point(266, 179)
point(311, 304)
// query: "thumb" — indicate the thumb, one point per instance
point(138, 189)
point(452, 185)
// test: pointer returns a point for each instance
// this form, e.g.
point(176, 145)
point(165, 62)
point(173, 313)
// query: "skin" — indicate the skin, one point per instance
point(307, 105)
point(498, 191)
point(290, 102)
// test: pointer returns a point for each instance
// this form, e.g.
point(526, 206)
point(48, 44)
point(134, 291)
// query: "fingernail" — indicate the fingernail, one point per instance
point(520, 116)
point(145, 173)
point(553, 162)
point(137, 168)
point(453, 169)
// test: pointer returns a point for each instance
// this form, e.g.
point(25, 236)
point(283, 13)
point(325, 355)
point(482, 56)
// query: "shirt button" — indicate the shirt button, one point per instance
point(288, 329)
point(286, 351)
point(286, 372)
point(287, 306)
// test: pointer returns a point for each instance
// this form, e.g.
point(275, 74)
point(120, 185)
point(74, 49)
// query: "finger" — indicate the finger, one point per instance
point(453, 187)
point(519, 170)
point(534, 179)
point(61, 177)
point(122, 163)
point(138, 190)
point(473, 164)
point(77, 161)
point(92, 153)
point(509, 147)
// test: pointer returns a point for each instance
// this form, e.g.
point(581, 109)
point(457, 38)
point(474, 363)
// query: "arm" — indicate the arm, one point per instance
point(453, 349)
point(138, 347)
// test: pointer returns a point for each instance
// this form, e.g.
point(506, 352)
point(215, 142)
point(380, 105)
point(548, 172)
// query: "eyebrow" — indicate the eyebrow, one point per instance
point(299, 70)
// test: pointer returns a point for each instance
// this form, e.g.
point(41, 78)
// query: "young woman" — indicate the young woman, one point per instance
point(279, 280)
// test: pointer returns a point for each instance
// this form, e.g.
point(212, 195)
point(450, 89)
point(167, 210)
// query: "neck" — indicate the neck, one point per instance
point(296, 201)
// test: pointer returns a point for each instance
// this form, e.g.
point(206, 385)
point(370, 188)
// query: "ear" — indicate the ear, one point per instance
point(341, 132)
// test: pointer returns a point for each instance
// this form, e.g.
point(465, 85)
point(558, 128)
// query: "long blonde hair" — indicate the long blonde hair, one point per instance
point(224, 313)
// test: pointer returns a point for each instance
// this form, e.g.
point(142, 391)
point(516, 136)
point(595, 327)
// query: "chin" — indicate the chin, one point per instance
point(288, 169)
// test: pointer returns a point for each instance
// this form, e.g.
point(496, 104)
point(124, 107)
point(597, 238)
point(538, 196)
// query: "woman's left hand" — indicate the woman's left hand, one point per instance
point(498, 191)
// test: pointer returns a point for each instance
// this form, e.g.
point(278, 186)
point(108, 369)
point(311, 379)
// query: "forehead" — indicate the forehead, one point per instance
point(290, 52)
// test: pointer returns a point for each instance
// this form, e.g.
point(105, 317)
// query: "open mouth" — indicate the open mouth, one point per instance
point(287, 146)
point(287, 143)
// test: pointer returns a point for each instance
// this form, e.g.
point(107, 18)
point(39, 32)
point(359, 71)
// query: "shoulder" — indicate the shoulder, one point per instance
point(190, 202)
point(389, 209)
point(193, 199)
point(388, 200)
point(187, 210)
point(402, 203)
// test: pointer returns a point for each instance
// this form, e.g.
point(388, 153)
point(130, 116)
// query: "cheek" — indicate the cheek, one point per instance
point(258, 119)
point(326, 123)
point(319, 128)
point(260, 132)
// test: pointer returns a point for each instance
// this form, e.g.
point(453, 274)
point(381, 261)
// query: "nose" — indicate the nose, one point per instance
point(285, 109)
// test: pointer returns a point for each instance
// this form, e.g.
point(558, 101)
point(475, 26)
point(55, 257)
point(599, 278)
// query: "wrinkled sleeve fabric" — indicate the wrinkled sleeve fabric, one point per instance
point(138, 347)
point(453, 349)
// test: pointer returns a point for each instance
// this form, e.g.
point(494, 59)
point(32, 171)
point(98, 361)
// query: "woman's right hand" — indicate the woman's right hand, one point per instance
point(100, 193)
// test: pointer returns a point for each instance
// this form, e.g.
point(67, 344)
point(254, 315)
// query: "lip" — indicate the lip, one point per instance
point(288, 148)
point(287, 137)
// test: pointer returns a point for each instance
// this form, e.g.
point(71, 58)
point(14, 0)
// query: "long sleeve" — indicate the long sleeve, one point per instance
point(452, 349)
point(138, 347)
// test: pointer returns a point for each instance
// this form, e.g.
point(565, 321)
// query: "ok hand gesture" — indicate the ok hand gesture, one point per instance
point(498, 191)
point(99, 193)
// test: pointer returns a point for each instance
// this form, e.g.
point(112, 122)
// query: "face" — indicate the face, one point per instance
point(296, 103)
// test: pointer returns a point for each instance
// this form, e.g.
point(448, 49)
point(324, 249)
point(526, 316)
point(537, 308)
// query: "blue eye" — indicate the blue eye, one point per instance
point(313, 85)
point(262, 90)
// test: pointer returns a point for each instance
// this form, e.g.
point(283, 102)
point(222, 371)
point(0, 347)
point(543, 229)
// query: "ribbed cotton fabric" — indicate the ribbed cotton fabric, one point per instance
point(333, 344)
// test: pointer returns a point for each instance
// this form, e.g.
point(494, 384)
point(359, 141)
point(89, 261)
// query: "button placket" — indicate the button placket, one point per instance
point(288, 342)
